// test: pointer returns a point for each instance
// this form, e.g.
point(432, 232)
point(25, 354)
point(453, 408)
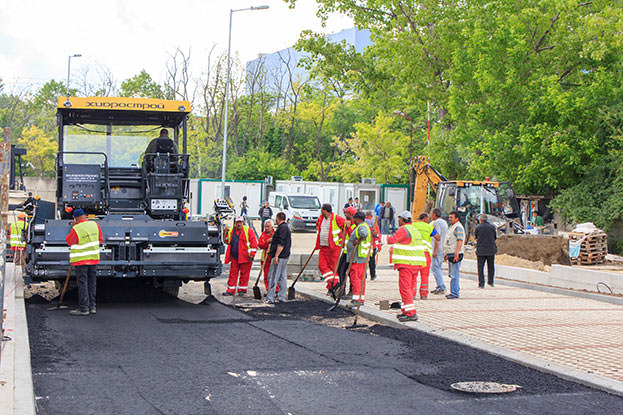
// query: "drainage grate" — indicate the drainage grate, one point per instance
point(484, 387)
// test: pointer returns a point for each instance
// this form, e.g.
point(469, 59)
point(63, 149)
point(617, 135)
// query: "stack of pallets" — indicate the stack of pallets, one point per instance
point(594, 247)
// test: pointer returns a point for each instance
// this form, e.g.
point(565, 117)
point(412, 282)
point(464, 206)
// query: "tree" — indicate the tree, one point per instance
point(256, 165)
point(377, 150)
point(41, 150)
point(140, 86)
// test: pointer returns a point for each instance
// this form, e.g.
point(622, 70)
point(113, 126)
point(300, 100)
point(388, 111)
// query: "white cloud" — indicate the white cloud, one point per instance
point(36, 36)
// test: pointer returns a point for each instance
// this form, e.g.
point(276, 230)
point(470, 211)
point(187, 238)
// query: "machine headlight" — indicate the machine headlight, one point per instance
point(39, 228)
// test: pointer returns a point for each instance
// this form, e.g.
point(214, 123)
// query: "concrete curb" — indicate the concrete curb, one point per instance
point(562, 371)
point(16, 355)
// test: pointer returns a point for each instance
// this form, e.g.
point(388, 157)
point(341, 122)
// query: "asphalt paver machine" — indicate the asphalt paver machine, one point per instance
point(139, 200)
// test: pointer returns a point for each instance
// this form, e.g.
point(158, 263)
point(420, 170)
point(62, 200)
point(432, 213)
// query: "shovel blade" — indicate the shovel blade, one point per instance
point(257, 293)
point(291, 293)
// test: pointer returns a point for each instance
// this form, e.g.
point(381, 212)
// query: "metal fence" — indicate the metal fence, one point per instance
point(5, 166)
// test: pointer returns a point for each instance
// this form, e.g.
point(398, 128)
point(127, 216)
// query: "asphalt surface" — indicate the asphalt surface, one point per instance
point(148, 353)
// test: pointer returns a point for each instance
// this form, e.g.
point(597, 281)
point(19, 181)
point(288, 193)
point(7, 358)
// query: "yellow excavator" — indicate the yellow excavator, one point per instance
point(469, 198)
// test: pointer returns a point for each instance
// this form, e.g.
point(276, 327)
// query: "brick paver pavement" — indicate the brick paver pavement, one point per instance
point(580, 333)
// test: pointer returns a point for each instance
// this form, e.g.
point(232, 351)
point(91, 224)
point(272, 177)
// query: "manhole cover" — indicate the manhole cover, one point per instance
point(484, 387)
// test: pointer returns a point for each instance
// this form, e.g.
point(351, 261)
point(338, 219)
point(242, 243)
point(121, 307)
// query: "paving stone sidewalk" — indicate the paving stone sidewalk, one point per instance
point(580, 333)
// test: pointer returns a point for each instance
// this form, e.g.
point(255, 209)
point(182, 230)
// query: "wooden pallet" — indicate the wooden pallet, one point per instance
point(593, 249)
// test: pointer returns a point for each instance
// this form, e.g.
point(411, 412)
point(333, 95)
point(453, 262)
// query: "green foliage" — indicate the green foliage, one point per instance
point(257, 165)
point(377, 151)
point(141, 86)
point(41, 149)
point(597, 197)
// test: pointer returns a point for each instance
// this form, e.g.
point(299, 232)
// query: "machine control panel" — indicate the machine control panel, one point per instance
point(163, 204)
point(81, 183)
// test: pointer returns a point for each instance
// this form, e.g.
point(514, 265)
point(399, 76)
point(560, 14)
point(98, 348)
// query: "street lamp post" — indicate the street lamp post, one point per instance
point(411, 178)
point(76, 55)
point(231, 12)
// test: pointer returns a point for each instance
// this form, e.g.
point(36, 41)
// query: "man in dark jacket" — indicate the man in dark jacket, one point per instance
point(280, 254)
point(265, 213)
point(486, 234)
point(387, 218)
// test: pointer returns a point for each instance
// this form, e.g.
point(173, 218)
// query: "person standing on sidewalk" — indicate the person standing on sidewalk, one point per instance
point(328, 242)
point(264, 244)
point(241, 249)
point(387, 218)
point(453, 253)
point(358, 248)
point(408, 258)
point(486, 234)
point(441, 226)
point(84, 242)
point(428, 233)
point(280, 253)
point(265, 213)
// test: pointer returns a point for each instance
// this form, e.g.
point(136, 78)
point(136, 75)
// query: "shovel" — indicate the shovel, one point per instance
point(60, 305)
point(291, 290)
point(340, 293)
point(363, 289)
point(257, 292)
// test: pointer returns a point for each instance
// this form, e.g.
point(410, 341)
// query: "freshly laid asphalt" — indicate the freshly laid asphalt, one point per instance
point(148, 353)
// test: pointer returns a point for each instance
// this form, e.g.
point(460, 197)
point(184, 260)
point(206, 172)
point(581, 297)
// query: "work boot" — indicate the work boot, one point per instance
point(227, 294)
point(451, 297)
point(354, 303)
point(78, 312)
point(423, 297)
point(93, 310)
point(438, 291)
point(491, 284)
point(347, 296)
point(404, 318)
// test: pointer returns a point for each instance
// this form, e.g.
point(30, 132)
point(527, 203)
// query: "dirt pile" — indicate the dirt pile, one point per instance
point(547, 249)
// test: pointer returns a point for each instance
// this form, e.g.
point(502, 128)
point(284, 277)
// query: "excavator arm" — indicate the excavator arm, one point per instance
point(425, 175)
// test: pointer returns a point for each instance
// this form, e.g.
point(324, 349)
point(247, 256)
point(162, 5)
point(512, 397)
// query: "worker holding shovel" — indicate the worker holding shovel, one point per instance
point(359, 246)
point(264, 243)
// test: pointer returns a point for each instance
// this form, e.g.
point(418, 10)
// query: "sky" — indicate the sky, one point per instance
point(125, 36)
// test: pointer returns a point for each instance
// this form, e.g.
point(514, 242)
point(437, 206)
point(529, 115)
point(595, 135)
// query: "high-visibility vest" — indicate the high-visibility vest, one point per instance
point(16, 234)
point(413, 253)
point(363, 249)
point(352, 227)
point(245, 229)
point(425, 230)
point(335, 231)
point(88, 246)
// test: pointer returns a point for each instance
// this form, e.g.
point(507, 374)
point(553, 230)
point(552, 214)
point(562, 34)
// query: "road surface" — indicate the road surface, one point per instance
point(147, 353)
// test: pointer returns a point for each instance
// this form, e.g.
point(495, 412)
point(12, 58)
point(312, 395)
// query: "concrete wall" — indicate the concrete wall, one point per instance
point(560, 276)
point(43, 186)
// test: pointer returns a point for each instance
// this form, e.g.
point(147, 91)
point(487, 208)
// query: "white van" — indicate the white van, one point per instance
point(302, 211)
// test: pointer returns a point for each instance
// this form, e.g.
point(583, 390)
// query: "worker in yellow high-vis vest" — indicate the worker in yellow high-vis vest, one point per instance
point(16, 238)
point(84, 242)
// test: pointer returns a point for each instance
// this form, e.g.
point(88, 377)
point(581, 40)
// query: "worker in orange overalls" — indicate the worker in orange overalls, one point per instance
point(342, 267)
point(408, 258)
point(328, 241)
point(264, 243)
point(241, 249)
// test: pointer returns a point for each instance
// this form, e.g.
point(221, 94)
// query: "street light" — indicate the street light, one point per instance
point(231, 12)
point(411, 178)
point(76, 55)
